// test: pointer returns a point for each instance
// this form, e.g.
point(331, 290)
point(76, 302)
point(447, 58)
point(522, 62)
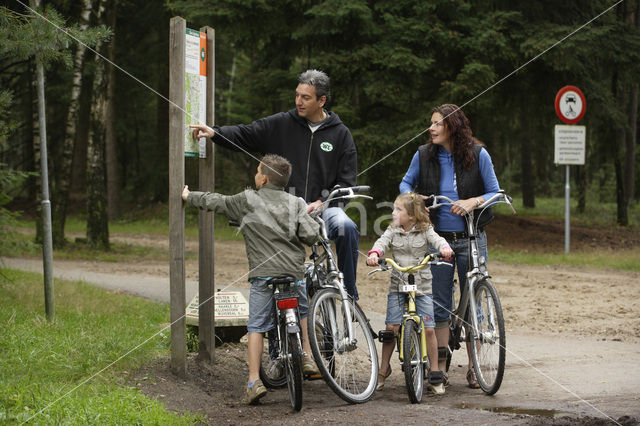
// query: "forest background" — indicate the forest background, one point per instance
point(390, 62)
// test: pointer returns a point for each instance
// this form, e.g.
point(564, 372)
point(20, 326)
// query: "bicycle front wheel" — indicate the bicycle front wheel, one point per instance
point(349, 366)
point(271, 366)
point(412, 361)
point(489, 347)
point(293, 369)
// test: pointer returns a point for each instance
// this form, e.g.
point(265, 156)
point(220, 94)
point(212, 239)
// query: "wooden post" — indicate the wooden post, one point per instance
point(206, 285)
point(177, 295)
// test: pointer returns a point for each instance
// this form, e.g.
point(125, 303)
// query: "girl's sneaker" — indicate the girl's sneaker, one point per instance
point(436, 389)
point(436, 382)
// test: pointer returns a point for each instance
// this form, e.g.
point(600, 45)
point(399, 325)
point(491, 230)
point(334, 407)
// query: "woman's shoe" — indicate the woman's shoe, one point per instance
point(384, 377)
point(471, 378)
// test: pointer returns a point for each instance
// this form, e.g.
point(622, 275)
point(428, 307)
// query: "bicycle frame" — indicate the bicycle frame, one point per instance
point(412, 314)
point(476, 266)
point(327, 260)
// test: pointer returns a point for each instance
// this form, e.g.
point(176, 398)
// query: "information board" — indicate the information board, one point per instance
point(195, 67)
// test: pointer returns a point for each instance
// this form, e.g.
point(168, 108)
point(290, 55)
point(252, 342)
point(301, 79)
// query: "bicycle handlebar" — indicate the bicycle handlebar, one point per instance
point(499, 197)
point(343, 194)
point(429, 259)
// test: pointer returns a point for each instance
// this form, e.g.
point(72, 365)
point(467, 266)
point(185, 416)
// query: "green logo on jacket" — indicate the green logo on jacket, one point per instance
point(326, 146)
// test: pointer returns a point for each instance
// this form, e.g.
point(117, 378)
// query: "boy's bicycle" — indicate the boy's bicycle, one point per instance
point(478, 317)
point(285, 343)
point(340, 336)
point(412, 337)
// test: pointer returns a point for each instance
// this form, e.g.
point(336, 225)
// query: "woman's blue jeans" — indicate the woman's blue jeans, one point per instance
point(443, 276)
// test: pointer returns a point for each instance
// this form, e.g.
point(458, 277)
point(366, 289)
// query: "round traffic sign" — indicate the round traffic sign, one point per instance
point(570, 104)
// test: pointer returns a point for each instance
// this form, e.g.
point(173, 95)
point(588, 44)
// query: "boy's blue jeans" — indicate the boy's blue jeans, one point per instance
point(443, 276)
point(344, 232)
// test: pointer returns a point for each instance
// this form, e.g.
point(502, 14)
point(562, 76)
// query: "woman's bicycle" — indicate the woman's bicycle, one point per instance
point(282, 364)
point(340, 336)
point(478, 317)
point(412, 337)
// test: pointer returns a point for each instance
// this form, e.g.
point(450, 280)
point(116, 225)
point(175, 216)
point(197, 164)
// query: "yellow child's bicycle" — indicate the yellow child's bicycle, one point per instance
point(412, 337)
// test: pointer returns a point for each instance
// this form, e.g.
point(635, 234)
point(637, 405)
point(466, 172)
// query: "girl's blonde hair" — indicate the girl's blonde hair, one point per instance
point(414, 205)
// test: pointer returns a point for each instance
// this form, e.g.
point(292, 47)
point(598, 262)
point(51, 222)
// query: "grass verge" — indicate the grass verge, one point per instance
point(43, 361)
point(625, 260)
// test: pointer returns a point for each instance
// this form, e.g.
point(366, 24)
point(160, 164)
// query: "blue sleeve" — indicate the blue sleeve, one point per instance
point(410, 179)
point(489, 178)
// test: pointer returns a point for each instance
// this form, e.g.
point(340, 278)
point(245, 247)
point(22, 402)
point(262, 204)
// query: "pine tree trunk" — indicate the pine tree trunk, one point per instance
point(631, 140)
point(61, 190)
point(113, 181)
point(528, 197)
point(97, 218)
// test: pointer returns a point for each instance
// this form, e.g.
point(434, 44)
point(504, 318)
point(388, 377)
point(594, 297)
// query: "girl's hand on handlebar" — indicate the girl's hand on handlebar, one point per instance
point(446, 252)
point(372, 260)
point(185, 192)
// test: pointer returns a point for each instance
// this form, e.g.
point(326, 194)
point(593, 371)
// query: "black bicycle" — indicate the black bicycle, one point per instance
point(478, 317)
point(282, 363)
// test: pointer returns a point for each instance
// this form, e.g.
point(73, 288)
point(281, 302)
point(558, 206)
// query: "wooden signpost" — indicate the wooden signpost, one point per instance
point(185, 108)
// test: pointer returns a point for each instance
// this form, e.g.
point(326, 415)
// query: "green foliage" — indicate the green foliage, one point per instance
point(390, 63)
point(10, 180)
point(44, 35)
point(74, 370)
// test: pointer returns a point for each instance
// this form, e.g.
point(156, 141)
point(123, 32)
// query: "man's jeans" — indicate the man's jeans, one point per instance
point(443, 276)
point(344, 232)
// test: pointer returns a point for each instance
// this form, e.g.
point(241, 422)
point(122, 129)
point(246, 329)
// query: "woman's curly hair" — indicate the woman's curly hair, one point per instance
point(460, 134)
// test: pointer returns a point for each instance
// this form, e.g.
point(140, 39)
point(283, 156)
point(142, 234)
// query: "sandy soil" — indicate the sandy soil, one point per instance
point(573, 341)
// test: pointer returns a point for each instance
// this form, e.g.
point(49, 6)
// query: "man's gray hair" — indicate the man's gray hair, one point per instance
point(319, 80)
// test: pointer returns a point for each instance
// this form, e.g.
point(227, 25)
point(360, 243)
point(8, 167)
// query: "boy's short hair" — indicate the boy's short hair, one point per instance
point(277, 169)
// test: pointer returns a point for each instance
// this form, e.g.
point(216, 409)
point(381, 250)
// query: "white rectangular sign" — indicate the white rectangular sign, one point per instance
point(231, 309)
point(569, 144)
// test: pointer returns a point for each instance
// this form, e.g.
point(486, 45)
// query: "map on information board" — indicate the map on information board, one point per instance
point(195, 90)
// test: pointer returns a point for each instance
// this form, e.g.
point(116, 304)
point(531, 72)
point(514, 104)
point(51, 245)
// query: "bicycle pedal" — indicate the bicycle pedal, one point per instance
point(386, 336)
point(313, 377)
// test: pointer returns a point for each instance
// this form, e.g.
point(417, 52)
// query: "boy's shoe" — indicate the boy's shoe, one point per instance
point(254, 393)
point(436, 389)
point(309, 367)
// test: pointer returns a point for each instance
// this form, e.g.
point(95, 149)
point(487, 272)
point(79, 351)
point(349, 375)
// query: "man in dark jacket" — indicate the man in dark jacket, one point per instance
point(321, 150)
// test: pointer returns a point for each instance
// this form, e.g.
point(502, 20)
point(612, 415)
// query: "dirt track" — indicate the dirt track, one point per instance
point(573, 340)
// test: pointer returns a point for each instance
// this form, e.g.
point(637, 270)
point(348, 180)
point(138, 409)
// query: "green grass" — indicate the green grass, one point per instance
point(595, 214)
point(43, 361)
point(626, 260)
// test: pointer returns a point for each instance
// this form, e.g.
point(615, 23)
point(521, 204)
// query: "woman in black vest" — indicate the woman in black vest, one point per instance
point(455, 164)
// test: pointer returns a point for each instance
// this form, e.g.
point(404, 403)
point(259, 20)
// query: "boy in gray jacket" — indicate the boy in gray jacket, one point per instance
point(274, 224)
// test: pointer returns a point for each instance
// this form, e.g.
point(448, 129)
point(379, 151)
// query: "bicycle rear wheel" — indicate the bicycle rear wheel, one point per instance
point(412, 361)
point(489, 347)
point(272, 368)
point(349, 368)
point(293, 369)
